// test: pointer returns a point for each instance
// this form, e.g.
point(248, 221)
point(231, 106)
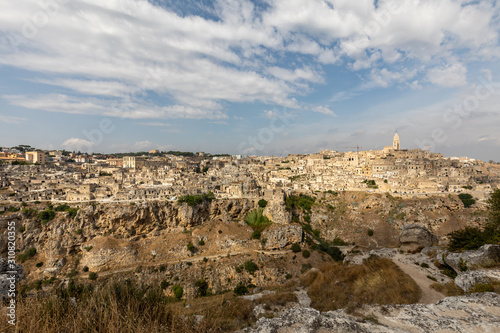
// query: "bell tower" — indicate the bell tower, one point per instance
point(395, 142)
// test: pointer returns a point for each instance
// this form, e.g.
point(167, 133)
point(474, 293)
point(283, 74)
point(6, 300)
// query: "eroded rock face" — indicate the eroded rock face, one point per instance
point(414, 236)
point(276, 212)
point(486, 255)
point(467, 280)
point(470, 313)
point(279, 236)
point(6, 275)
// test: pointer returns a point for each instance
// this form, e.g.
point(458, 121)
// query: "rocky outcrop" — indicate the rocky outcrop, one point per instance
point(486, 255)
point(9, 273)
point(276, 212)
point(470, 313)
point(414, 236)
point(467, 280)
point(279, 236)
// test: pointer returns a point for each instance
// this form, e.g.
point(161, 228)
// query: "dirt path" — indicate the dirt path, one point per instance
point(429, 295)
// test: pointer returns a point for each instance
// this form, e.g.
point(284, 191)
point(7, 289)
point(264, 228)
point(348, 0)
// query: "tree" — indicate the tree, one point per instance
point(251, 267)
point(296, 248)
point(262, 203)
point(202, 286)
point(467, 199)
point(178, 291)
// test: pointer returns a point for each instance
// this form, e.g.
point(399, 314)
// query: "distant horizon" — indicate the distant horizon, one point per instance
point(251, 77)
point(228, 154)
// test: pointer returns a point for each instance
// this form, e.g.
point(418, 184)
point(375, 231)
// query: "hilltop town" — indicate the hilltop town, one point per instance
point(28, 176)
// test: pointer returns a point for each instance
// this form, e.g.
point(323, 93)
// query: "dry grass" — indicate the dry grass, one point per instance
point(448, 289)
point(280, 298)
point(377, 281)
point(129, 309)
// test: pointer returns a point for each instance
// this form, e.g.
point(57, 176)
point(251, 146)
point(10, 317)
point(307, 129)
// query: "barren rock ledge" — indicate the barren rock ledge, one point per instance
point(478, 312)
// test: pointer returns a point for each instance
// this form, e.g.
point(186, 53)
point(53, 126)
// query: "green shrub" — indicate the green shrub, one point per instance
point(370, 232)
point(467, 199)
point(302, 201)
point(307, 218)
point(194, 200)
point(424, 265)
point(257, 220)
point(22, 228)
point(306, 254)
point(28, 212)
point(62, 208)
point(250, 266)
point(462, 265)
point(27, 254)
point(240, 290)
point(202, 287)
point(201, 242)
point(78, 231)
point(92, 276)
point(288, 276)
point(40, 264)
point(256, 234)
point(338, 242)
point(262, 203)
point(316, 233)
point(85, 269)
point(469, 238)
point(178, 291)
point(88, 248)
point(482, 288)
point(296, 248)
point(191, 248)
point(46, 215)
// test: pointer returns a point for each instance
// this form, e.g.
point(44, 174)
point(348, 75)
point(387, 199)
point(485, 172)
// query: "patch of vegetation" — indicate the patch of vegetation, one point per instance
point(29, 212)
point(306, 254)
point(39, 264)
point(462, 265)
point(296, 248)
point(424, 265)
point(191, 248)
point(46, 215)
point(376, 281)
point(194, 200)
point(472, 238)
point(178, 291)
point(448, 289)
point(482, 288)
point(262, 203)
point(257, 220)
point(301, 201)
point(256, 234)
point(27, 254)
point(370, 183)
point(467, 199)
point(240, 290)
point(338, 242)
point(201, 288)
point(201, 242)
point(88, 248)
point(251, 267)
point(370, 232)
point(85, 269)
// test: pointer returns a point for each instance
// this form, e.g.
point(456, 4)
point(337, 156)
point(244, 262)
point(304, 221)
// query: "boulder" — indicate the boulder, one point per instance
point(467, 280)
point(279, 236)
point(486, 255)
point(414, 237)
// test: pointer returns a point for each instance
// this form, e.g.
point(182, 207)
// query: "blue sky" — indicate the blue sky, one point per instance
point(250, 77)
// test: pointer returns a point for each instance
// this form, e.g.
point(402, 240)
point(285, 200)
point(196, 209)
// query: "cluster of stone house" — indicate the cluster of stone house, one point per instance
point(401, 172)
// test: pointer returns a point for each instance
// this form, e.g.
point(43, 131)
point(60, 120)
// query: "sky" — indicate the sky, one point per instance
point(261, 77)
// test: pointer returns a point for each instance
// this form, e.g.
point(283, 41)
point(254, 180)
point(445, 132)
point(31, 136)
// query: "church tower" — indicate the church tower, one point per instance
point(395, 142)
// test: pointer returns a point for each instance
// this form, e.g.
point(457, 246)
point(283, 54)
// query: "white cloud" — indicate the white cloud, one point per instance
point(454, 75)
point(77, 144)
point(11, 119)
point(324, 110)
point(129, 48)
point(142, 145)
